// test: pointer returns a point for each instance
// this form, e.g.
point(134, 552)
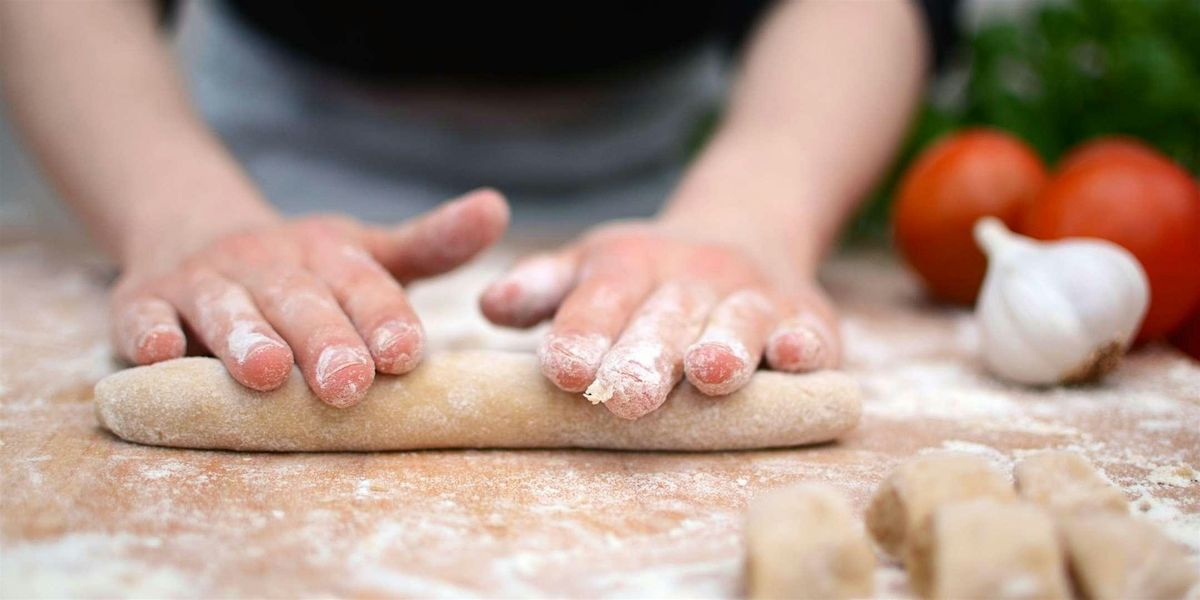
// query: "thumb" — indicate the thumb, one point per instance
point(441, 239)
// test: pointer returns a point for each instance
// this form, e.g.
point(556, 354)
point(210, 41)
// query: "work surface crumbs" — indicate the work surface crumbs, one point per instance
point(174, 523)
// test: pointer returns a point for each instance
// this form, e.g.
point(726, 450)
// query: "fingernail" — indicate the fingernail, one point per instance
point(388, 342)
point(338, 359)
point(796, 348)
point(159, 342)
point(717, 368)
point(245, 340)
point(571, 360)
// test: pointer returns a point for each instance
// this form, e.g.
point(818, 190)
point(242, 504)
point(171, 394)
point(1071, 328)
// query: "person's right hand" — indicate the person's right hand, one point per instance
point(323, 292)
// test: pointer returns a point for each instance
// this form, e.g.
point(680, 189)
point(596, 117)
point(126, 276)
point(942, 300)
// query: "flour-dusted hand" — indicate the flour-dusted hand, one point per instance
point(726, 274)
point(109, 118)
point(323, 292)
point(637, 306)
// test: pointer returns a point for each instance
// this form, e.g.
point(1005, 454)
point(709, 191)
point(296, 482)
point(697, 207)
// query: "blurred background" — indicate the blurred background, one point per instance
point(1058, 73)
point(1053, 73)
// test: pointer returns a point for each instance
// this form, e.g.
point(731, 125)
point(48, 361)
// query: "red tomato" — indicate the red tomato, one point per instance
point(963, 177)
point(1106, 148)
point(1139, 199)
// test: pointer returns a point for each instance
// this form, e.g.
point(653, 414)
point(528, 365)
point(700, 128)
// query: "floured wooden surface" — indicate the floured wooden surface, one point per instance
point(84, 514)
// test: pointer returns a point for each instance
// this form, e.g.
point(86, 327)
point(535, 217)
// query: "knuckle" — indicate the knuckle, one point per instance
point(197, 275)
point(330, 333)
point(286, 280)
point(279, 282)
point(753, 301)
point(127, 290)
point(324, 224)
point(366, 282)
point(290, 291)
point(240, 244)
point(240, 252)
point(717, 263)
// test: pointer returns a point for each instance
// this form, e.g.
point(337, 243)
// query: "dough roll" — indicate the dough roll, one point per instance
point(1111, 554)
point(478, 399)
point(1065, 482)
point(804, 542)
point(988, 549)
point(1114, 556)
point(904, 501)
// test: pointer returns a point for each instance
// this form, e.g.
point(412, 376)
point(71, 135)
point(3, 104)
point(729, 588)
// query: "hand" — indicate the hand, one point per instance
point(636, 306)
point(324, 292)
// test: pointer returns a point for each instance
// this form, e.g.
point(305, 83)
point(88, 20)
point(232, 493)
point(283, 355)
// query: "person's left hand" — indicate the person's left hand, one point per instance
point(636, 306)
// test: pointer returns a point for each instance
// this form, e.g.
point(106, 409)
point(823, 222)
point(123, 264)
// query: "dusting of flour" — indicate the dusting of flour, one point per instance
point(83, 514)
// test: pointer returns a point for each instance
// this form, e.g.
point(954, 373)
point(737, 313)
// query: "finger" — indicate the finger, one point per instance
point(445, 238)
point(647, 361)
point(731, 346)
point(331, 355)
point(806, 339)
point(146, 330)
point(531, 291)
point(374, 301)
point(591, 316)
point(229, 324)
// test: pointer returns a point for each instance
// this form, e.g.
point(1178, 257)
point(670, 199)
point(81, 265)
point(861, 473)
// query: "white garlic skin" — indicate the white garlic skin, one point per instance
point(1056, 312)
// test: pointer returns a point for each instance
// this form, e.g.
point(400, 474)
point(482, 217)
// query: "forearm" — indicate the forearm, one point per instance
point(93, 88)
point(824, 95)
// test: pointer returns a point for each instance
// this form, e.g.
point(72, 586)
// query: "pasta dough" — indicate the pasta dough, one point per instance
point(910, 494)
point(1116, 556)
point(1111, 554)
point(803, 542)
point(988, 549)
point(1065, 482)
point(480, 399)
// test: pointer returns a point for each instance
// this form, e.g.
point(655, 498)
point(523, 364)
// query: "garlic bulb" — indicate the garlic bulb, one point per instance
point(1056, 312)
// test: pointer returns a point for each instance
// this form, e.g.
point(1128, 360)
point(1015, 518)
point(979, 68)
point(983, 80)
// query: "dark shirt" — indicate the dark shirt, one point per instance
point(514, 42)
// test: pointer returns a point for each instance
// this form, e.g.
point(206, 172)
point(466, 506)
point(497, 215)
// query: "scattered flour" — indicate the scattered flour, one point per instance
point(528, 524)
point(1001, 460)
point(83, 567)
point(942, 389)
point(1175, 475)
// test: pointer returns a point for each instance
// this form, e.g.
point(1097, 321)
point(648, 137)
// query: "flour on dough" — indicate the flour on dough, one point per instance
point(803, 542)
point(470, 399)
point(910, 494)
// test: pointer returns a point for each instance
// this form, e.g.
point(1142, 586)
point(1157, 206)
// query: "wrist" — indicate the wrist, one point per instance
point(163, 188)
point(753, 190)
point(160, 234)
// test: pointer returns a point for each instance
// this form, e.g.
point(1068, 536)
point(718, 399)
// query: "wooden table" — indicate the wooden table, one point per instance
point(85, 514)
